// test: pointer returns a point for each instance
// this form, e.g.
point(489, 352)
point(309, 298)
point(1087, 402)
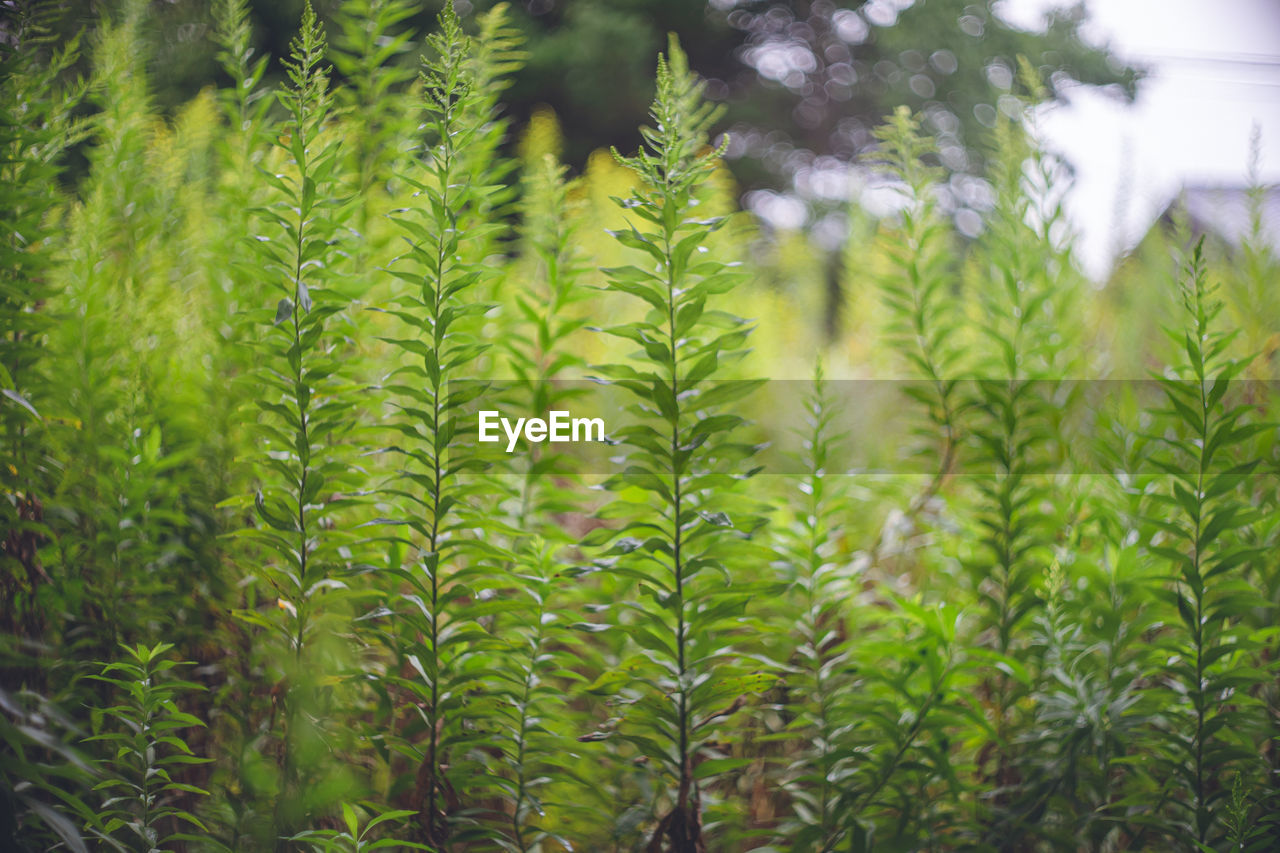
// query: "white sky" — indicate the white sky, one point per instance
point(1214, 73)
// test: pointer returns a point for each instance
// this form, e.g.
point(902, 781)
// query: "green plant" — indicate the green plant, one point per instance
point(1014, 399)
point(1058, 634)
point(359, 836)
point(496, 54)
point(1089, 635)
point(539, 351)
point(247, 101)
point(38, 128)
point(822, 658)
point(1207, 733)
point(435, 635)
point(536, 662)
point(303, 424)
point(907, 705)
point(145, 751)
point(924, 325)
point(44, 778)
point(369, 45)
point(821, 676)
point(535, 666)
point(121, 423)
point(685, 528)
point(868, 694)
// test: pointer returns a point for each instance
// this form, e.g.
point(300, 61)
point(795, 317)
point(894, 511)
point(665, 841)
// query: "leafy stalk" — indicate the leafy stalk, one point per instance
point(147, 749)
point(823, 654)
point(1027, 285)
point(923, 324)
point(539, 351)
point(686, 531)
point(35, 134)
point(537, 665)
point(435, 637)
point(1206, 672)
point(368, 47)
point(247, 102)
point(303, 424)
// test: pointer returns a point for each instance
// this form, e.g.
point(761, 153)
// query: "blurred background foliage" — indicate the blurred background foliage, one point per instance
point(804, 85)
point(800, 79)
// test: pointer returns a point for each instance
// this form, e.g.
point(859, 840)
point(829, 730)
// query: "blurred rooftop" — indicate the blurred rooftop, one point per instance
point(1225, 212)
point(1213, 82)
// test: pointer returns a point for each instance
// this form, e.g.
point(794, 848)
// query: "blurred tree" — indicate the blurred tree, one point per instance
point(801, 78)
point(826, 73)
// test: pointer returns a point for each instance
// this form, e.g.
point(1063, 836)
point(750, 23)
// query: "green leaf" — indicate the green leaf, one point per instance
point(20, 400)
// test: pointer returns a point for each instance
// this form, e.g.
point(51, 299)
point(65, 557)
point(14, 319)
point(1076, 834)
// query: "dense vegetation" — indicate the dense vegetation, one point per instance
point(264, 590)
